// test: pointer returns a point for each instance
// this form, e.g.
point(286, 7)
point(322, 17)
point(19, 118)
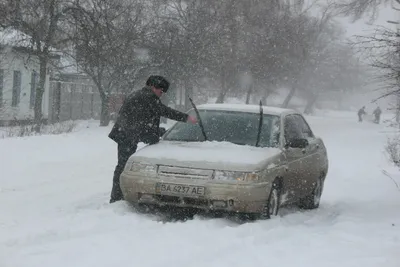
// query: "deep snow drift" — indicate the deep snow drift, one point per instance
point(54, 210)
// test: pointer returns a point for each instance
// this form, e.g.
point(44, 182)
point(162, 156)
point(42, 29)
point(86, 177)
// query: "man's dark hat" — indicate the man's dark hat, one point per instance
point(158, 82)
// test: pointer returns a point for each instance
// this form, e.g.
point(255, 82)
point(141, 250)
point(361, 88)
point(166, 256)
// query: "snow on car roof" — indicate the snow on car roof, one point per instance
point(245, 108)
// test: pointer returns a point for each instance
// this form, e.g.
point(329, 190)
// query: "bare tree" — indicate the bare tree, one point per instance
point(249, 44)
point(358, 8)
point(334, 71)
point(382, 49)
point(40, 20)
point(332, 65)
point(107, 38)
point(185, 39)
point(263, 54)
point(272, 42)
point(305, 38)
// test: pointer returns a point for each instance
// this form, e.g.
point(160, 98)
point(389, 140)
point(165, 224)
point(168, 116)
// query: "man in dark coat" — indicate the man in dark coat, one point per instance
point(377, 113)
point(138, 121)
point(361, 113)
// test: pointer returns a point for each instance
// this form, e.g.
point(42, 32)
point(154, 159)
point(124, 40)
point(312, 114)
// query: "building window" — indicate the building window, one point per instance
point(34, 81)
point(16, 88)
point(1, 87)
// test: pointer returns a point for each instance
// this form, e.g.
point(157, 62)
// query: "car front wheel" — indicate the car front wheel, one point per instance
point(272, 206)
point(312, 201)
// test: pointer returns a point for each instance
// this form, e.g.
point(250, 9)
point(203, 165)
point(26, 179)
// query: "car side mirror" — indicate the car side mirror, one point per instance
point(297, 143)
point(162, 131)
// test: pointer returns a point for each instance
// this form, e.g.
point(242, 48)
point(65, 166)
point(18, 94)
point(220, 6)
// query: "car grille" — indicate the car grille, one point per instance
point(188, 173)
point(179, 200)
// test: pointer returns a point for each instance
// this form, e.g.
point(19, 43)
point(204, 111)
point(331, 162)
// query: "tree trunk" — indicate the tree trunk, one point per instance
point(56, 105)
point(38, 114)
point(249, 92)
point(188, 93)
point(105, 112)
point(221, 96)
point(265, 97)
point(224, 89)
point(398, 110)
point(285, 103)
point(310, 105)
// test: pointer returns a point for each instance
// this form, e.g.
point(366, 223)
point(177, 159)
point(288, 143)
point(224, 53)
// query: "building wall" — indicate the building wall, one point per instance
point(11, 61)
point(73, 99)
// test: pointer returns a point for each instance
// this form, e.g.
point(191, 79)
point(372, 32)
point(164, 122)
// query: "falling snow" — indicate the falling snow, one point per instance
point(54, 210)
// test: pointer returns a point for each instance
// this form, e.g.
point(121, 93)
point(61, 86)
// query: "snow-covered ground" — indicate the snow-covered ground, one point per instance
point(54, 210)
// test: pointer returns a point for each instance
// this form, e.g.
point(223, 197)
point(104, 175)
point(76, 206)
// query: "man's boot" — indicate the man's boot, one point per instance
point(116, 193)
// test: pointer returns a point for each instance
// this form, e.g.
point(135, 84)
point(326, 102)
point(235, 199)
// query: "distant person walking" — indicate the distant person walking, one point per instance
point(361, 113)
point(377, 113)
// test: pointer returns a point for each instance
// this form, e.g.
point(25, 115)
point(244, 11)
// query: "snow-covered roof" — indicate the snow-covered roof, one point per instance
point(245, 108)
point(67, 64)
point(16, 38)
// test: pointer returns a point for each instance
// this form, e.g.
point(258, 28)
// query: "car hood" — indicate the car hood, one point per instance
point(207, 155)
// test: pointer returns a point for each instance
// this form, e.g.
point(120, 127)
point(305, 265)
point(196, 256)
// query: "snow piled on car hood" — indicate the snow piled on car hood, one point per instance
point(213, 155)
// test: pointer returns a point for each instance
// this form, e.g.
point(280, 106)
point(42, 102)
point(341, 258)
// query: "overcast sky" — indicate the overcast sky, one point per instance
point(362, 27)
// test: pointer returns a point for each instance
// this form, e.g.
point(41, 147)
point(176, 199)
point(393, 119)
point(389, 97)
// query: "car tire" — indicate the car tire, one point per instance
point(271, 209)
point(143, 208)
point(312, 201)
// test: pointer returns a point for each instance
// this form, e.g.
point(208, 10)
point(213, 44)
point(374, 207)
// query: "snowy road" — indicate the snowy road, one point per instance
point(54, 211)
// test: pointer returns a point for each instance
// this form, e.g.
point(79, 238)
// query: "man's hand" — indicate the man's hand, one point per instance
point(192, 119)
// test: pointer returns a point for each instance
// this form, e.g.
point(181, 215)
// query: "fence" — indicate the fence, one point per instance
point(77, 101)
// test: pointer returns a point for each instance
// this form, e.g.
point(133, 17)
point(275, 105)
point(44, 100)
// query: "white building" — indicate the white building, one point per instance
point(19, 78)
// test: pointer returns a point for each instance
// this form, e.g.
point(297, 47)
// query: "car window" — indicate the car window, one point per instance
point(304, 127)
point(271, 131)
point(227, 126)
point(292, 129)
point(296, 127)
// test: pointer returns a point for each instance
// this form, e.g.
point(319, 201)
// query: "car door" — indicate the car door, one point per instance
point(294, 158)
point(310, 170)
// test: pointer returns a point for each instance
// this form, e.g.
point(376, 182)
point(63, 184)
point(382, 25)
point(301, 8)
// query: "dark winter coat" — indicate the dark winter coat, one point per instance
point(139, 118)
point(361, 112)
point(377, 112)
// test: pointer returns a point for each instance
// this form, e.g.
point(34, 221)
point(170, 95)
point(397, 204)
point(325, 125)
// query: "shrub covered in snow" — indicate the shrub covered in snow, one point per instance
point(29, 130)
point(393, 150)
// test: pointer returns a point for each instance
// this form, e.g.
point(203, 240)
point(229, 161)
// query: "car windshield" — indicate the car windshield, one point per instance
point(230, 126)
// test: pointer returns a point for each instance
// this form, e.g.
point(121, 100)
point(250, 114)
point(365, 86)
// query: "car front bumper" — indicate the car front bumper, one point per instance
point(218, 195)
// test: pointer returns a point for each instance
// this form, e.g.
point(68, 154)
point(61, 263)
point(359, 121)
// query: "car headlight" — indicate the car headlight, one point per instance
point(143, 167)
point(236, 176)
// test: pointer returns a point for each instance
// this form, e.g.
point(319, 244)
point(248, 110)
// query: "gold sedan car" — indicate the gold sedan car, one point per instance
point(244, 159)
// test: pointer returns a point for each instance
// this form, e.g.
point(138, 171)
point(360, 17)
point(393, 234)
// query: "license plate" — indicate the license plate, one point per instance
point(178, 189)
